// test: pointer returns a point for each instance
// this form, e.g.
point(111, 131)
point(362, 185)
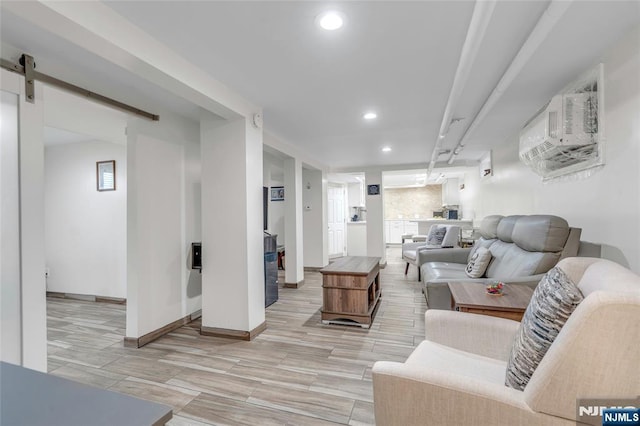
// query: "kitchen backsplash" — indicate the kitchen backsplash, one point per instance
point(412, 203)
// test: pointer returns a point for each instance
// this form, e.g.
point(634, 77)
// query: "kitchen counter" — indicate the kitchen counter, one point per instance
point(452, 221)
point(396, 228)
point(425, 224)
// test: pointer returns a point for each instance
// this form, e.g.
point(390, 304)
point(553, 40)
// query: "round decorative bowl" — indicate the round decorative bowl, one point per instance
point(495, 289)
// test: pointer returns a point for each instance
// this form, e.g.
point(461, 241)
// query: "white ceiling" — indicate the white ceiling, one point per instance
point(397, 58)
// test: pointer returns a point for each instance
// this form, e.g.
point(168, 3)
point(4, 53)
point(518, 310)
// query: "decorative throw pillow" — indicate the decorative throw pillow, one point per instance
point(552, 302)
point(478, 263)
point(436, 236)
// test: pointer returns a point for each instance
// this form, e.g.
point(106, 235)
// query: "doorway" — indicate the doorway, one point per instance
point(85, 224)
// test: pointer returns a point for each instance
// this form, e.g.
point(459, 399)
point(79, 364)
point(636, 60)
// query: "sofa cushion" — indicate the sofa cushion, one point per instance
point(435, 238)
point(505, 228)
point(510, 261)
point(489, 226)
point(480, 242)
point(410, 254)
point(544, 233)
point(452, 237)
point(454, 361)
point(436, 270)
point(552, 302)
point(478, 263)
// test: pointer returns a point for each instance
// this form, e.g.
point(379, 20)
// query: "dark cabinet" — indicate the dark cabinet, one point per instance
point(270, 269)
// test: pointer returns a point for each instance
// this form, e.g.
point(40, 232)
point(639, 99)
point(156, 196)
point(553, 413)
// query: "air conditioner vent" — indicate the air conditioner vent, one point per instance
point(564, 136)
point(553, 124)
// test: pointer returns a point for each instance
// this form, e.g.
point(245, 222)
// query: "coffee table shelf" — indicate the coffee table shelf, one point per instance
point(351, 291)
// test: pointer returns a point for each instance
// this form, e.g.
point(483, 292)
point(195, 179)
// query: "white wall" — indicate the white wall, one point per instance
point(606, 205)
point(85, 230)
point(314, 219)
point(192, 222)
point(162, 220)
point(80, 115)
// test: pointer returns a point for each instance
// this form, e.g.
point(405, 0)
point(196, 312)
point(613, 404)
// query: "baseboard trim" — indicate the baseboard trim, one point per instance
point(138, 342)
point(294, 285)
point(312, 268)
point(87, 297)
point(233, 334)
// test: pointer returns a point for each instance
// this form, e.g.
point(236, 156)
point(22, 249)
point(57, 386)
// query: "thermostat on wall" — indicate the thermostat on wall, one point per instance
point(373, 189)
point(257, 120)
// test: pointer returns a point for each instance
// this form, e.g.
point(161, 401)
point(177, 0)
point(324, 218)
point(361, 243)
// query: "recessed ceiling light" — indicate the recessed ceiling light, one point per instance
point(370, 116)
point(331, 20)
point(386, 149)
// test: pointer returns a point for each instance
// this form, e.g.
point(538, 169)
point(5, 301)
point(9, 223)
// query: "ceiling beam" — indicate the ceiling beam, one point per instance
point(482, 12)
point(31, 75)
point(97, 28)
point(545, 24)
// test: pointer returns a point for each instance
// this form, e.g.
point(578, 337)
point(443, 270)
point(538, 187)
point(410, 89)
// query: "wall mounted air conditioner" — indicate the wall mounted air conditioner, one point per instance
point(563, 137)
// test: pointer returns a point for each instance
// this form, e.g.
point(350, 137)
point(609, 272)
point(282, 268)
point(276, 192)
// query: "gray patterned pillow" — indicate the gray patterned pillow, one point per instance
point(436, 236)
point(552, 302)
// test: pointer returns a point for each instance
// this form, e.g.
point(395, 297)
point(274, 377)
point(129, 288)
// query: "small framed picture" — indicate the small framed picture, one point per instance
point(277, 193)
point(373, 189)
point(106, 175)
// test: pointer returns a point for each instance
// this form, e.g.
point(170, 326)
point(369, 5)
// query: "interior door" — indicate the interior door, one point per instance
point(336, 220)
point(10, 281)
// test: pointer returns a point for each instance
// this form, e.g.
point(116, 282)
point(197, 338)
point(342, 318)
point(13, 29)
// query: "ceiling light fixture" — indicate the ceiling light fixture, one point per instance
point(386, 149)
point(330, 20)
point(370, 116)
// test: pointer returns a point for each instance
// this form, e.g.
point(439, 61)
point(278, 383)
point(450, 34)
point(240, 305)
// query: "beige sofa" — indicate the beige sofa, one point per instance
point(456, 376)
point(523, 249)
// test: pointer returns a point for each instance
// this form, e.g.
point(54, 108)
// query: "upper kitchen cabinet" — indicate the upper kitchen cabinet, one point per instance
point(356, 194)
point(450, 192)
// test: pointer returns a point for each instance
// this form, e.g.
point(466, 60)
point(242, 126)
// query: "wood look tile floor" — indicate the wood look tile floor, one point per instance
point(297, 372)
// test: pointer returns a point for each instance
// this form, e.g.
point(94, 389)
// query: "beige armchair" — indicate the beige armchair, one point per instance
point(456, 376)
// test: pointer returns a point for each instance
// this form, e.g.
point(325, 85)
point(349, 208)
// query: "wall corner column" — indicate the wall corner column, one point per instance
point(375, 217)
point(293, 226)
point(232, 239)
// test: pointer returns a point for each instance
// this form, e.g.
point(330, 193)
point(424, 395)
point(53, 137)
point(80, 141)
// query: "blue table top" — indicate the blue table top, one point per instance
point(28, 397)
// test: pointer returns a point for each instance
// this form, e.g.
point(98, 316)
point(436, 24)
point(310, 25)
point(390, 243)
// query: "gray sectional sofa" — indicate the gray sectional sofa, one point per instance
point(523, 249)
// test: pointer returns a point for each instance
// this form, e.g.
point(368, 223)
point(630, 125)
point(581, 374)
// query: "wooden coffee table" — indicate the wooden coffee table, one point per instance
point(472, 297)
point(351, 290)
